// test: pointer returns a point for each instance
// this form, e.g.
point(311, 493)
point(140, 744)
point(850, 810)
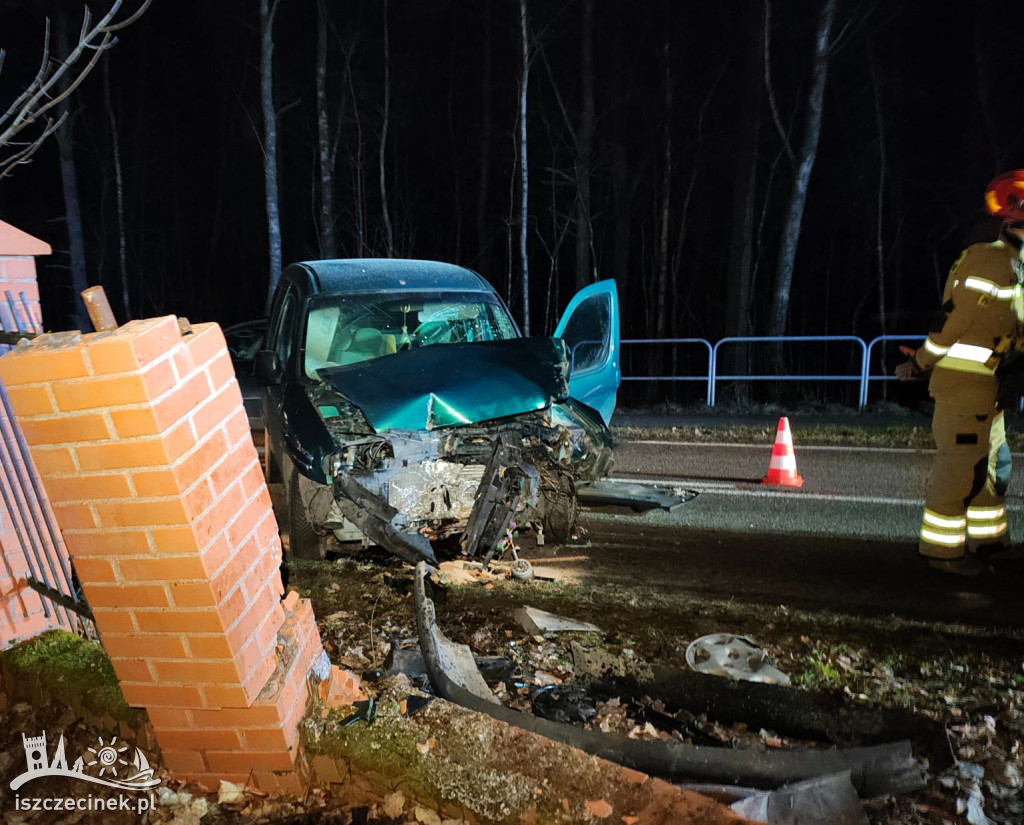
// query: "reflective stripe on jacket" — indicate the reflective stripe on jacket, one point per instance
point(982, 304)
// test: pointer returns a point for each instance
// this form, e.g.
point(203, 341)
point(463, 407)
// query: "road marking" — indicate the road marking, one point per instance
point(726, 488)
point(803, 447)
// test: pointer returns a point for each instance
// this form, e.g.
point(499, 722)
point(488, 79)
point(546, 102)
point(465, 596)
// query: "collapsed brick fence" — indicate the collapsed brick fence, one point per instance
point(142, 442)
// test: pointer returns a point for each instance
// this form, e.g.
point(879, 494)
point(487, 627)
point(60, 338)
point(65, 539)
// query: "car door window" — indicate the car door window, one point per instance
point(284, 335)
point(586, 333)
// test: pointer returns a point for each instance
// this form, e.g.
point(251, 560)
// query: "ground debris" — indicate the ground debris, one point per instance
point(957, 684)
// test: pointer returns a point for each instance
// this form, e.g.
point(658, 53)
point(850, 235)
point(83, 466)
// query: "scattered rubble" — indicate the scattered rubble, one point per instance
point(906, 684)
point(875, 770)
point(539, 622)
point(366, 616)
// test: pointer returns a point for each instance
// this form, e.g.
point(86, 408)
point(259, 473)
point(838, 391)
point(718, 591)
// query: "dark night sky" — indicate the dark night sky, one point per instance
point(184, 86)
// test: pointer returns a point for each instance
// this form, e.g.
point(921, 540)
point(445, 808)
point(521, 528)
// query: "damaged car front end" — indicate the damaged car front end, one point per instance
point(403, 408)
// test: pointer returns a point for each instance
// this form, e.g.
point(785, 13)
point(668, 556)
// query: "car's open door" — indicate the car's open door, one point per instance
point(590, 329)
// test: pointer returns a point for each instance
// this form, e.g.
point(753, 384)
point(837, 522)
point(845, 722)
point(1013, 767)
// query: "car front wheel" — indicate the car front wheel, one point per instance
point(304, 541)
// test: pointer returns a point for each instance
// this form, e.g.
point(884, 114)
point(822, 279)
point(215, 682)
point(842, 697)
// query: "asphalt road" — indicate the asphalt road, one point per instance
point(844, 542)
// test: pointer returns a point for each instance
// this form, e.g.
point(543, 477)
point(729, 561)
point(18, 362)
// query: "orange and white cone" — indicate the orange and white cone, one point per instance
point(782, 467)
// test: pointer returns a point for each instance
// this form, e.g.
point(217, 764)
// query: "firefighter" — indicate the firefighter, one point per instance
point(979, 322)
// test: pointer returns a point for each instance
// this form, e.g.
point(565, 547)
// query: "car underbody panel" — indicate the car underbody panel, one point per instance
point(636, 495)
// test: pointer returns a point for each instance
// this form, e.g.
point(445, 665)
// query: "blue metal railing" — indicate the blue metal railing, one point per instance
point(712, 376)
point(706, 377)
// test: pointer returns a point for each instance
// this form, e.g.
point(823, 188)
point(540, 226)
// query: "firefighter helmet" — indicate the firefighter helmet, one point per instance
point(1004, 196)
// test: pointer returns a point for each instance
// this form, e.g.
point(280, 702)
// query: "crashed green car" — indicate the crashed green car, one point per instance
point(403, 408)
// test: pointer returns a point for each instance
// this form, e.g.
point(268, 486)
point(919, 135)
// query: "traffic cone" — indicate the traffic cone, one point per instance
point(782, 467)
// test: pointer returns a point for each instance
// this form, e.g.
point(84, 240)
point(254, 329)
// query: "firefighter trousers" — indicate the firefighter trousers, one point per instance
point(964, 506)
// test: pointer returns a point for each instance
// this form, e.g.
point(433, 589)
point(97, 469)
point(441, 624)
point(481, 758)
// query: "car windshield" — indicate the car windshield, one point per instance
point(348, 329)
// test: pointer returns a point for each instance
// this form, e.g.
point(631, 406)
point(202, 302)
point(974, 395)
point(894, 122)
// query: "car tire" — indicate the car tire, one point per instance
point(303, 540)
point(271, 471)
point(561, 507)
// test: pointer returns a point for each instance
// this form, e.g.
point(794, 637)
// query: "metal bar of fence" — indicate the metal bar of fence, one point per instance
point(14, 311)
point(16, 517)
point(14, 508)
point(712, 377)
point(706, 378)
point(32, 327)
point(51, 569)
point(715, 377)
point(868, 377)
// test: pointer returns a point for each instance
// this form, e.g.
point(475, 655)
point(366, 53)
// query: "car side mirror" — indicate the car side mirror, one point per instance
point(267, 367)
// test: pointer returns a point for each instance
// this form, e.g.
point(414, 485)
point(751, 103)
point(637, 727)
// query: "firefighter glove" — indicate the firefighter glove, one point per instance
point(908, 371)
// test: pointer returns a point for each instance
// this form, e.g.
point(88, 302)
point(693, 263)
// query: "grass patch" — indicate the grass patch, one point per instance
point(68, 669)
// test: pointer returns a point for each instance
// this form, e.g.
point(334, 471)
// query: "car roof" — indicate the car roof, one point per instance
point(391, 274)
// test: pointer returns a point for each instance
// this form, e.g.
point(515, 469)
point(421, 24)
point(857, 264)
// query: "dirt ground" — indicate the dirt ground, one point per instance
point(969, 681)
point(364, 604)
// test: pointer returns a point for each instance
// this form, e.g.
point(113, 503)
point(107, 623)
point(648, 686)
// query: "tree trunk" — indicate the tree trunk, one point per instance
point(267, 13)
point(389, 233)
point(122, 242)
point(358, 173)
point(805, 159)
point(486, 129)
point(72, 201)
point(739, 276)
point(524, 179)
point(622, 186)
point(328, 244)
point(453, 137)
point(883, 325)
point(665, 202)
point(986, 73)
point(584, 150)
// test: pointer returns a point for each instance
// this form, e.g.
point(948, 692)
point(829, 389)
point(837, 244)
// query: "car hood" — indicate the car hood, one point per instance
point(453, 384)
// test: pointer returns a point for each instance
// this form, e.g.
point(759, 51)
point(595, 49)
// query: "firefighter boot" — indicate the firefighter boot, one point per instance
point(967, 566)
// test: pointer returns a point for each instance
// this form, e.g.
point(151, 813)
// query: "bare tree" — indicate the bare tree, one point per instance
point(325, 148)
point(486, 134)
point(806, 156)
point(35, 113)
point(623, 182)
point(267, 13)
point(585, 149)
point(664, 201)
point(115, 151)
point(64, 135)
point(739, 279)
point(389, 233)
point(356, 161)
point(524, 173)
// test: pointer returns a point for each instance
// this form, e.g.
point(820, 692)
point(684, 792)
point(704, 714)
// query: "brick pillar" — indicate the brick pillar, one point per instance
point(144, 447)
point(18, 276)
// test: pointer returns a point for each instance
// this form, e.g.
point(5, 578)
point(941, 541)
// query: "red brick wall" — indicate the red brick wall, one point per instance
point(144, 448)
point(17, 276)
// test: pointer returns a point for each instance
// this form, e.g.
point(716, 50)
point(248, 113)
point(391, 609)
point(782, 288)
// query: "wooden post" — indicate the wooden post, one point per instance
point(99, 309)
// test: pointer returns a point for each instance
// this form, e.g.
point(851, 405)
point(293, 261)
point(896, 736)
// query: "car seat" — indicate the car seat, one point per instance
point(321, 329)
point(366, 343)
